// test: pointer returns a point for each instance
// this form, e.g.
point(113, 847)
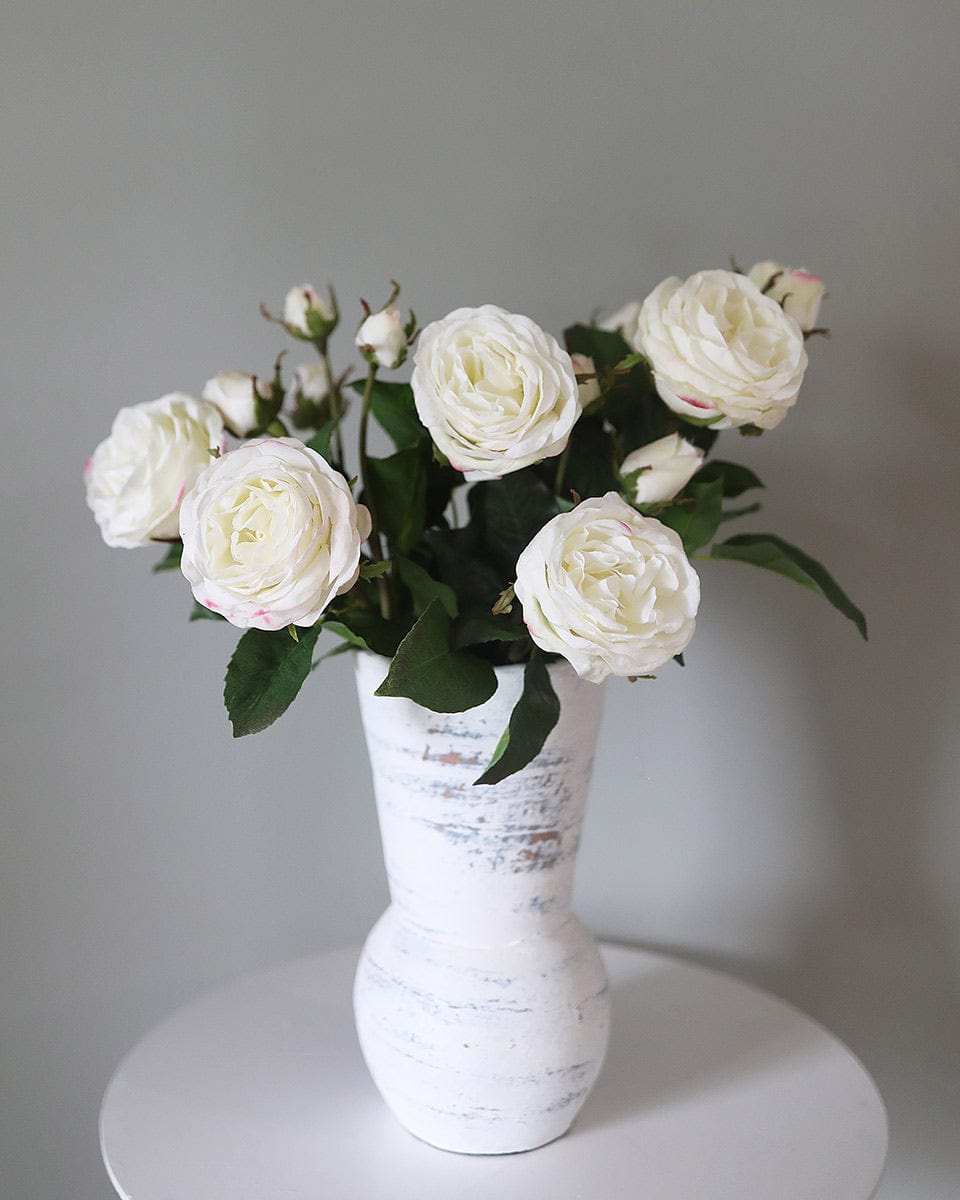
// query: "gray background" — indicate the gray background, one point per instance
point(786, 807)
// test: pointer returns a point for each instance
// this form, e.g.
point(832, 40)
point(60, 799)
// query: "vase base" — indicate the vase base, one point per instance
point(498, 1153)
point(482, 1049)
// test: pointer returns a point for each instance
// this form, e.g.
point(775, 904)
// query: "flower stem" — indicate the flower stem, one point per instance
point(562, 469)
point(336, 406)
point(376, 546)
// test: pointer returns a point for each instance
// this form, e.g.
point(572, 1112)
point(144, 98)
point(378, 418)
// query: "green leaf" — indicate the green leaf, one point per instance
point(441, 480)
point(265, 674)
point(333, 652)
point(394, 411)
point(171, 560)
point(459, 561)
point(774, 554)
point(508, 512)
point(423, 588)
point(626, 365)
point(533, 716)
point(735, 479)
point(607, 349)
point(478, 626)
point(399, 487)
point(590, 463)
point(365, 629)
point(731, 514)
point(373, 570)
point(695, 514)
point(321, 439)
point(353, 640)
point(427, 671)
point(200, 612)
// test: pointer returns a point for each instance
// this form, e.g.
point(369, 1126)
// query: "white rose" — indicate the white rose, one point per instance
point(234, 395)
point(312, 381)
point(610, 590)
point(271, 534)
point(298, 304)
point(496, 392)
point(798, 293)
point(137, 477)
point(382, 337)
point(666, 467)
point(589, 390)
point(624, 321)
point(722, 353)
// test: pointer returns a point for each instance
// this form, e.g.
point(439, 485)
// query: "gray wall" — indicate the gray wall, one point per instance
point(786, 807)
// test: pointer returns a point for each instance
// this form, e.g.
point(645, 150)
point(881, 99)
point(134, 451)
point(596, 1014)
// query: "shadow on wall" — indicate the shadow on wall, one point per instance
point(879, 963)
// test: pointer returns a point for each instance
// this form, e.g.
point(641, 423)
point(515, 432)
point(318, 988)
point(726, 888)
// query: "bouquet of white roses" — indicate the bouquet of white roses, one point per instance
point(540, 501)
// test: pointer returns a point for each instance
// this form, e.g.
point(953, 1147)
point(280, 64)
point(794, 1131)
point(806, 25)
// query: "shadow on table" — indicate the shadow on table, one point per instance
point(680, 1032)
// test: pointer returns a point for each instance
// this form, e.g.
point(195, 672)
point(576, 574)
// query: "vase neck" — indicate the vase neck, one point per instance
point(480, 865)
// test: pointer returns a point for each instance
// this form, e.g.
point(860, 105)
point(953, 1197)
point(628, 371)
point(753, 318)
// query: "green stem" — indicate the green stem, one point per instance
point(336, 406)
point(376, 546)
point(562, 469)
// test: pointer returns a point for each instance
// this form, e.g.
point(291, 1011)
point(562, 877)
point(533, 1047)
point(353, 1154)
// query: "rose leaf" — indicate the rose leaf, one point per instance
point(426, 670)
point(736, 479)
point(480, 625)
point(768, 551)
point(395, 412)
point(533, 716)
point(399, 488)
point(507, 514)
point(696, 514)
point(606, 348)
point(171, 560)
point(423, 587)
point(265, 673)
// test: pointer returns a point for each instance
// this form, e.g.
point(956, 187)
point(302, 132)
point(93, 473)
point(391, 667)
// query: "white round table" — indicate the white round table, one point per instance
point(712, 1090)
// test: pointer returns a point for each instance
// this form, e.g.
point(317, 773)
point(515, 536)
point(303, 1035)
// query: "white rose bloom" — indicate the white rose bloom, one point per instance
point(798, 293)
point(669, 464)
point(312, 381)
point(589, 390)
point(138, 476)
point(624, 321)
point(610, 590)
point(233, 394)
point(271, 534)
point(298, 302)
point(496, 392)
point(722, 353)
point(383, 338)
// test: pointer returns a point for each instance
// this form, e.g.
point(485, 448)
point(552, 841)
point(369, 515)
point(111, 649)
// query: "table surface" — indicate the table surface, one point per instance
point(712, 1090)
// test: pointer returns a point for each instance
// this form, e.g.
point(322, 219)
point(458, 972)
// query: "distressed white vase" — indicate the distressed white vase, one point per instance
point(481, 1001)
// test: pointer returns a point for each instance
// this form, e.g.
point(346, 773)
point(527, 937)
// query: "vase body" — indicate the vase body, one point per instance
point(481, 1001)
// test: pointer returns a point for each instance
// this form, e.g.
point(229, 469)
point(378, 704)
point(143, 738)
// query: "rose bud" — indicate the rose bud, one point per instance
point(660, 469)
point(797, 292)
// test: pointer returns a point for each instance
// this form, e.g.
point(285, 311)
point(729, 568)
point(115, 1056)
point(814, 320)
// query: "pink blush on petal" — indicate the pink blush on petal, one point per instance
point(809, 278)
point(88, 466)
point(695, 403)
point(624, 525)
point(211, 605)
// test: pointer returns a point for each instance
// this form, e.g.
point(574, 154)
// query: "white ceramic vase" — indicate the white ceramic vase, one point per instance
point(481, 1001)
